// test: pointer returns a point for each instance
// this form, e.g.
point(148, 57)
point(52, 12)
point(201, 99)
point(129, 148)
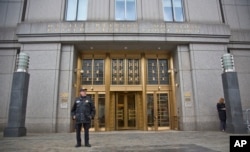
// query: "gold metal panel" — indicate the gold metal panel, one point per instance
point(99, 88)
point(119, 114)
point(159, 55)
point(140, 115)
point(87, 56)
point(99, 56)
point(126, 88)
point(133, 56)
point(151, 56)
point(111, 112)
point(167, 88)
point(152, 88)
point(158, 88)
point(93, 56)
point(117, 56)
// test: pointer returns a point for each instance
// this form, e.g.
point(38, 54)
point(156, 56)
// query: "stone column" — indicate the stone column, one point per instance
point(235, 122)
point(18, 102)
point(231, 90)
point(18, 98)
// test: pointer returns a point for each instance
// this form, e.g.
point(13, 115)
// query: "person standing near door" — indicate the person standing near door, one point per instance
point(82, 112)
point(221, 108)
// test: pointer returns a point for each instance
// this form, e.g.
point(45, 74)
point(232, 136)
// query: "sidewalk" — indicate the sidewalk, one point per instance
point(128, 141)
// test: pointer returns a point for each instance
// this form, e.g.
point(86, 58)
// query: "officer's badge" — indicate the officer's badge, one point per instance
point(77, 101)
point(87, 100)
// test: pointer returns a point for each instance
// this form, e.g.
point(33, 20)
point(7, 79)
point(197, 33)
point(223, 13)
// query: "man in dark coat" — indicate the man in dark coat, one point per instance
point(82, 112)
point(221, 107)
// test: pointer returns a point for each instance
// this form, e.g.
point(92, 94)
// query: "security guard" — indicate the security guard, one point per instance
point(82, 112)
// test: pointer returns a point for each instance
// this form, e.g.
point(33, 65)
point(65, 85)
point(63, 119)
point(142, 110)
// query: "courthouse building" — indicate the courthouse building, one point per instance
point(147, 64)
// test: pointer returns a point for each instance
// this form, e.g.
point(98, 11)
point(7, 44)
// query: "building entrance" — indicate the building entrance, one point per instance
point(131, 90)
point(125, 111)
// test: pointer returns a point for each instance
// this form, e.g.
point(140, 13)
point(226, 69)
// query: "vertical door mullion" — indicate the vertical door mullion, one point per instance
point(116, 110)
point(158, 70)
point(92, 71)
point(125, 70)
point(155, 112)
point(125, 111)
point(96, 119)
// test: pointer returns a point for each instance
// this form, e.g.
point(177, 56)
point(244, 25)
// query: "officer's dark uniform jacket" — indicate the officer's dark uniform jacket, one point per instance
point(83, 109)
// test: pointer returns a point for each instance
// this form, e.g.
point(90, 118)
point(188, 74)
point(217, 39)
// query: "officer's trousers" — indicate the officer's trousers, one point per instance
point(86, 127)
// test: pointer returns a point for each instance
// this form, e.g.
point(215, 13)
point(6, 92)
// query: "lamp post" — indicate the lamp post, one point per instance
point(18, 98)
point(231, 90)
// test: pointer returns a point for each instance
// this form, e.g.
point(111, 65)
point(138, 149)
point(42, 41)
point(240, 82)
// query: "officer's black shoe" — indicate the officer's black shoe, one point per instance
point(77, 145)
point(87, 145)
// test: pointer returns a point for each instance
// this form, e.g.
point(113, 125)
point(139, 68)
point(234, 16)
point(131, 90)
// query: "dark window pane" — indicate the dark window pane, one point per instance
point(98, 74)
point(101, 110)
point(92, 97)
point(86, 71)
point(150, 110)
point(133, 74)
point(152, 71)
point(118, 71)
point(163, 72)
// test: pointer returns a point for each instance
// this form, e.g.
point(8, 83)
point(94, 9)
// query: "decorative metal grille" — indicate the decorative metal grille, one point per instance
point(98, 74)
point(158, 71)
point(118, 71)
point(163, 73)
point(92, 71)
point(152, 71)
point(86, 71)
point(133, 71)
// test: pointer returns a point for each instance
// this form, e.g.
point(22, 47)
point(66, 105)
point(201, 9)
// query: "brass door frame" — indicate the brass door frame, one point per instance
point(169, 112)
point(95, 122)
point(125, 112)
point(155, 127)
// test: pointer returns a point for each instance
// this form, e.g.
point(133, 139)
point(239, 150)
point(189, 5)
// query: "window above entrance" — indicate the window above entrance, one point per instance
point(125, 71)
point(157, 71)
point(92, 72)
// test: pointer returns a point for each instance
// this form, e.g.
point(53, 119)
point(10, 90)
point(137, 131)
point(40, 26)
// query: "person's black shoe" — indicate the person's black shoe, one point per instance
point(77, 145)
point(87, 145)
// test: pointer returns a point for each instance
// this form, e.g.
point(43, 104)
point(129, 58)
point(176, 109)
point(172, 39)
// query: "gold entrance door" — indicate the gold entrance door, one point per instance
point(158, 111)
point(125, 111)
